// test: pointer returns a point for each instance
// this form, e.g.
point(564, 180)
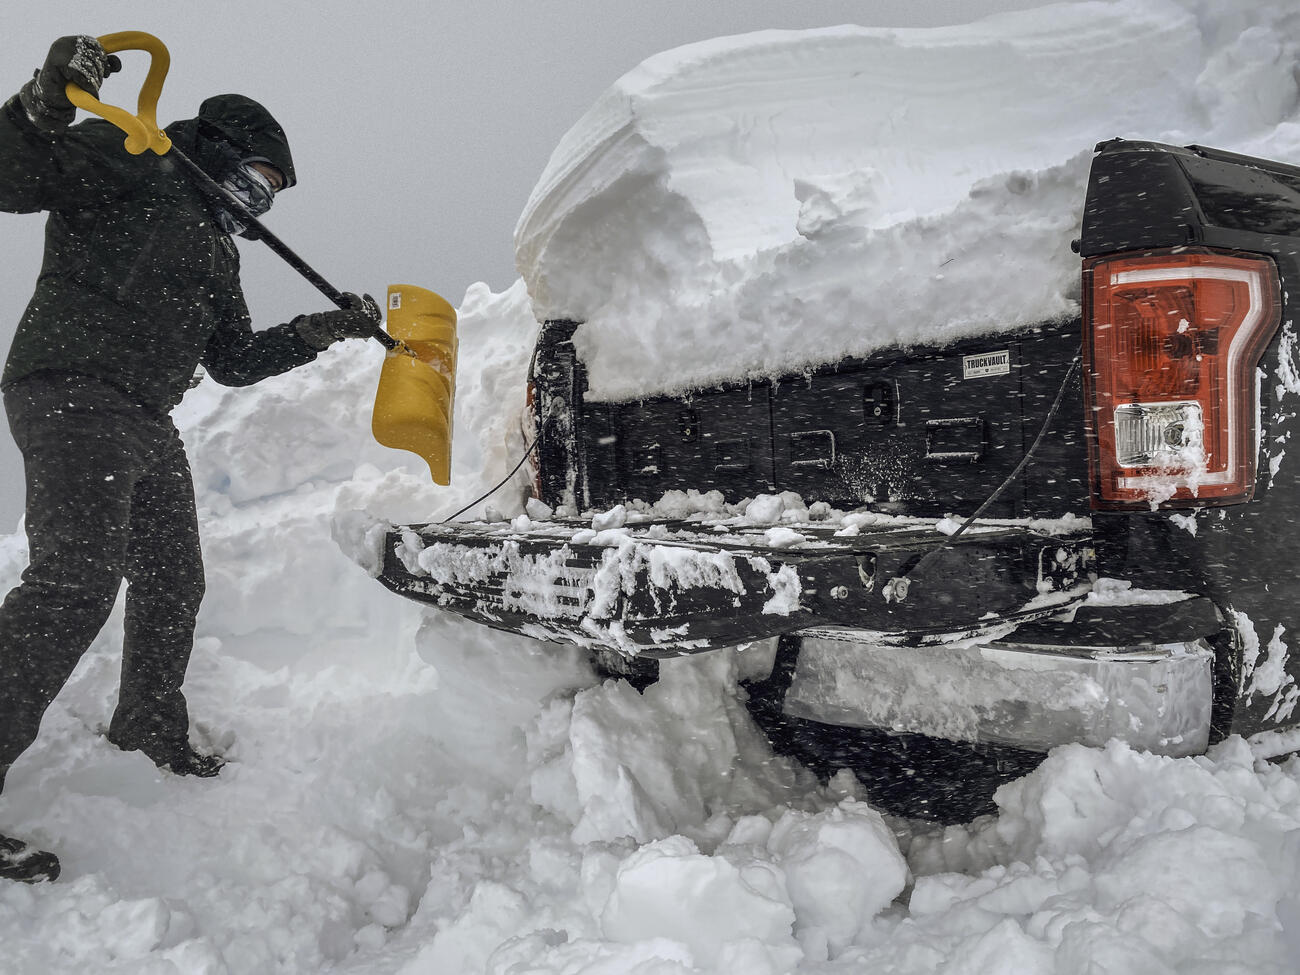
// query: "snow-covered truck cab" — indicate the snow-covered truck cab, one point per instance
point(1076, 531)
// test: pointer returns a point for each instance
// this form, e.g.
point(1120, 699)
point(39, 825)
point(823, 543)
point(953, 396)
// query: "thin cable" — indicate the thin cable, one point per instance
point(502, 483)
point(532, 364)
point(1024, 462)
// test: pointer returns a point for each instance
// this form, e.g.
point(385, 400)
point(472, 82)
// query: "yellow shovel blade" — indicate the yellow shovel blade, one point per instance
point(417, 389)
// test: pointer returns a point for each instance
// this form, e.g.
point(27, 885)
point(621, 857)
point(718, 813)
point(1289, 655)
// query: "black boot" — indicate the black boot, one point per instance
point(22, 861)
point(191, 762)
point(178, 759)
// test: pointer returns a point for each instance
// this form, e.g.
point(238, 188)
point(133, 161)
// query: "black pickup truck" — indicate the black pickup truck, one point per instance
point(1075, 531)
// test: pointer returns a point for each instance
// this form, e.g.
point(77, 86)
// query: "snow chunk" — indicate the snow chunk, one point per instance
point(783, 538)
point(765, 509)
point(659, 889)
point(624, 764)
point(842, 867)
point(615, 517)
point(361, 537)
point(1120, 592)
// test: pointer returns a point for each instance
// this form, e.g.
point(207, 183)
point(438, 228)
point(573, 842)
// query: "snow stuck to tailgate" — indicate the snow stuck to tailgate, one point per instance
point(753, 205)
point(578, 584)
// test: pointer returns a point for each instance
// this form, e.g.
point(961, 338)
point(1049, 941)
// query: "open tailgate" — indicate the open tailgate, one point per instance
point(668, 588)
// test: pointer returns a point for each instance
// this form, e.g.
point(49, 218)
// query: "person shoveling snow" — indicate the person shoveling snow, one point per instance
point(140, 286)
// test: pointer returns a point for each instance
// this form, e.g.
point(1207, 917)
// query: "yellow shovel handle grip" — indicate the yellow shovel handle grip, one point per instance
point(141, 129)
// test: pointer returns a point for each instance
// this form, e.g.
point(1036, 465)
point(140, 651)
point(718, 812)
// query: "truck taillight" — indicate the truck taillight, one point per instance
point(1171, 343)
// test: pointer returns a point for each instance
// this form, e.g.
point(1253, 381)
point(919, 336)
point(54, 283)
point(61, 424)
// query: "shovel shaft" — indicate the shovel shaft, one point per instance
point(143, 132)
point(236, 205)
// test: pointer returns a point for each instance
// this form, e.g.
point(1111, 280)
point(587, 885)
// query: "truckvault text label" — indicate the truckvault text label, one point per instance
point(986, 364)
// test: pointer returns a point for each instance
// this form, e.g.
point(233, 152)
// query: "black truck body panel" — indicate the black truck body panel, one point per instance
point(1144, 195)
point(903, 431)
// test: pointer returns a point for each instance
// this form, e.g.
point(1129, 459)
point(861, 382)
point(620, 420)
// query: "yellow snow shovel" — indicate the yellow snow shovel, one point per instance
point(413, 405)
point(417, 384)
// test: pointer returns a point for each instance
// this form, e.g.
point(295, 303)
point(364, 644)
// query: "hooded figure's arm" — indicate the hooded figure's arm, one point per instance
point(238, 356)
point(80, 168)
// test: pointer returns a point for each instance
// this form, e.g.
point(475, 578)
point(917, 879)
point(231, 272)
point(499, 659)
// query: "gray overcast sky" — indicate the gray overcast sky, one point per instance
point(418, 128)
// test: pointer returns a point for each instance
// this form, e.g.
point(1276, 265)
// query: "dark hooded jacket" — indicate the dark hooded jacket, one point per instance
point(139, 284)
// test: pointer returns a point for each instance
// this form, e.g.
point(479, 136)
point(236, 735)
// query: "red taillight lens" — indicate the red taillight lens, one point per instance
point(1171, 344)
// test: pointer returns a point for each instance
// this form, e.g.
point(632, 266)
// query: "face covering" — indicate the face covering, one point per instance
point(252, 189)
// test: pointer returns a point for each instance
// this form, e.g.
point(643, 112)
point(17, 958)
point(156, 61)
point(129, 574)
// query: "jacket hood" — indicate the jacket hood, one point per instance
point(243, 124)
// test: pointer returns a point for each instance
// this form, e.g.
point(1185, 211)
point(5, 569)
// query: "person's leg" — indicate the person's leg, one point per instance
point(164, 570)
point(81, 458)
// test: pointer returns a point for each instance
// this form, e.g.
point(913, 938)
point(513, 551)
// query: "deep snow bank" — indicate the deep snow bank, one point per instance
point(752, 205)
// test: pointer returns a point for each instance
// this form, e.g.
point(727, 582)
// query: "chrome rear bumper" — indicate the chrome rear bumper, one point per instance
point(1156, 697)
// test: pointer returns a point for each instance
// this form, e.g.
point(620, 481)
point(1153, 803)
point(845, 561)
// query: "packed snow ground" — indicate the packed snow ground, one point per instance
point(408, 793)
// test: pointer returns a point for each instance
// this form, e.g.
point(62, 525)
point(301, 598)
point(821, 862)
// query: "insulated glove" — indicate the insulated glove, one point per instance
point(322, 329)
point(76, 58)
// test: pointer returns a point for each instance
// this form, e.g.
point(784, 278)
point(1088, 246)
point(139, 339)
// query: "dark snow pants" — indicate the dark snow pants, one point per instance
point(109, 497)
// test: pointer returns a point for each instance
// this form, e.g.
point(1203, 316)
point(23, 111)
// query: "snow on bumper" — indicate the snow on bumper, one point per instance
point(667, 589)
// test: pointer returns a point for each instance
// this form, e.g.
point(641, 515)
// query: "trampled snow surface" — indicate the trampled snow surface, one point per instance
point(408, 793)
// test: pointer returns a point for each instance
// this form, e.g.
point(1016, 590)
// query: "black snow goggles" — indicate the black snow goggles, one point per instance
point(251, 188)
